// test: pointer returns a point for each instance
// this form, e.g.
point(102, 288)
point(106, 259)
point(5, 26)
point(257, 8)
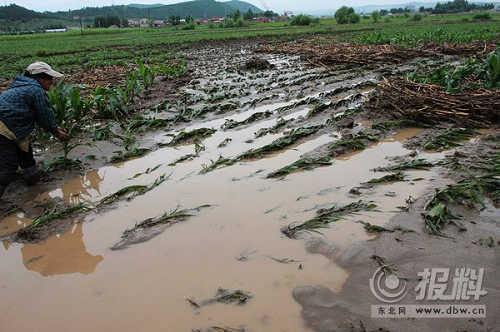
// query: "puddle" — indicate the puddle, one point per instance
point(74, 279)
point(195, 258)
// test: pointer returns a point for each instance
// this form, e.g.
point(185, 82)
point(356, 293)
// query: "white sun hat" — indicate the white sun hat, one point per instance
point(43, 68)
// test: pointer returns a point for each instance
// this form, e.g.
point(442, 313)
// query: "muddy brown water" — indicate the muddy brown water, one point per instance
point(73, 279)
point(74, 282)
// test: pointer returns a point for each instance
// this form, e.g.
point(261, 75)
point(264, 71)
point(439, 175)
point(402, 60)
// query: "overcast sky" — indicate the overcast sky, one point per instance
point(276, 5)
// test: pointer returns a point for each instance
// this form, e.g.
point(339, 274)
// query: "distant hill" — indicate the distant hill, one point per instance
point(139, 5)
point(196, 9)
point(17, 18)
point(370, 8)
point(242, 6)
point(14, 12)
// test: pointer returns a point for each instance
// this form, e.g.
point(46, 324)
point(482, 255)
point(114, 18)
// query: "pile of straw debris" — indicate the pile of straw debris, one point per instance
point(401, 98)
point(326, 52)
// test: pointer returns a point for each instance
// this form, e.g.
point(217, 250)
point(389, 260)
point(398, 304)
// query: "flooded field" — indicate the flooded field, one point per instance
point(102, 270)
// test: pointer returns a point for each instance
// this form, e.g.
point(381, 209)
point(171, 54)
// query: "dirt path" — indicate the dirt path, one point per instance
point(217, 217)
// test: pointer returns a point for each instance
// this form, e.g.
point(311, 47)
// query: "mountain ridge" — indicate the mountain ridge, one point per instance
point(194, 8)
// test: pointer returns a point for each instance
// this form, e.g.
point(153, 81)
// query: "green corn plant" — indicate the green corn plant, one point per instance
point(146, 74)
point(70, 110)
point(172, 69)
point(110, 102)
point(132, 85)
point(492, 68)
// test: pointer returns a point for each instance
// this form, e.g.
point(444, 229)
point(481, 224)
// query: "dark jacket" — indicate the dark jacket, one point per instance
point(25, 104)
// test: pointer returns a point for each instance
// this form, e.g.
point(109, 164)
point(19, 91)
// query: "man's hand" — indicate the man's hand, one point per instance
point(62, 135)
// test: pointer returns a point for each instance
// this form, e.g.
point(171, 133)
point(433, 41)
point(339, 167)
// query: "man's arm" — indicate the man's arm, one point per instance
point(44, 113)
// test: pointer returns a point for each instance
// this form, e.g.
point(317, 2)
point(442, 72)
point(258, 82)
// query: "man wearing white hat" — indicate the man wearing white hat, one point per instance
point(23, 105)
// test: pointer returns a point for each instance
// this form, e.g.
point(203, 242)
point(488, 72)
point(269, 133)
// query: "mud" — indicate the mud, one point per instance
point(237, 244)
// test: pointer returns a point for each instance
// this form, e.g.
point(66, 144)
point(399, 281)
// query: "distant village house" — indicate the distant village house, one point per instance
point(56, 30)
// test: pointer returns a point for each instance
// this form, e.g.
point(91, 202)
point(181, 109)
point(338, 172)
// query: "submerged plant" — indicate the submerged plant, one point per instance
point(145, 230)
point(187, 136)
point(222, 161)
point(122, 156)
point(412, 164)
point(132, 191)
point(189, 156)
point(388, 125)
point(306, 163)
point(398, 176)
point(469, 192)
point(231, 124)
point(280, 143)
point(449, 139)
point(57, 213)
point(326, 216)
point(274, 129)
point(225, 296)
point(374, 228)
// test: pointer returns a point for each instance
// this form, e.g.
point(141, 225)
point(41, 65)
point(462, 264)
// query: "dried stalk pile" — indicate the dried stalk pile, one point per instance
point(113, 75)
point(428, 103)
point(328, 53)
point(478, 49)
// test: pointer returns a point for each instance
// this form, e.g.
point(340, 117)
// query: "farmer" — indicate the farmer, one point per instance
point(23, 105)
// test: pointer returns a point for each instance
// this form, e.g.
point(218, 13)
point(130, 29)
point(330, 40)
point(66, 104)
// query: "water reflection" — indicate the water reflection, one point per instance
point(58, 255)
point(74, 190)
point(13, 223)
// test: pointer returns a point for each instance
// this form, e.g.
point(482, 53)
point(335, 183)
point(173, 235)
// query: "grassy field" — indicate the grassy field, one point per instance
point(99, 47)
